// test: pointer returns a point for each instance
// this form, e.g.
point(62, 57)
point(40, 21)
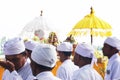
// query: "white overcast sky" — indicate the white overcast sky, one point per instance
point(60, 14)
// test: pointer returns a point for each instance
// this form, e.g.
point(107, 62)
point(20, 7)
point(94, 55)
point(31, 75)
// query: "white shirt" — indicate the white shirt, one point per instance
point(65, 71)
point(113, 68)
point(21, 74)
point(86, 73)
point(11, 76)
point(46, 75)
point(28, 60)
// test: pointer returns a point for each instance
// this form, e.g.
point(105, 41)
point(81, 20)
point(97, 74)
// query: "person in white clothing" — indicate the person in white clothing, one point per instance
point(16, 65)
point(111, 49)
point(66, 69)
point(85, 59)
point(43, 60)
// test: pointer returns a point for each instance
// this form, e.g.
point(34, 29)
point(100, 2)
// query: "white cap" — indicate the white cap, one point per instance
point(65, 46)
point(40, 33)
point(113, 41)
point(86, 50)
point(45, 54)
point(30, 45)
point(14, 46)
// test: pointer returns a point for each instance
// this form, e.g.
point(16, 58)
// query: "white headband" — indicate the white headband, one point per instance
point(14, 46)
point(113, 41)
point(30, 45)
point(44, 54)
point(65, 46)
point(86, 50)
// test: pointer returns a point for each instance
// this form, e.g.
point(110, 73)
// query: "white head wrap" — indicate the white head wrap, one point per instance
point(113, 41)
point(44, 54)
point(40, 33)
point(30, 45)
point(86, 50)
point(14, 46)
point(65, 46)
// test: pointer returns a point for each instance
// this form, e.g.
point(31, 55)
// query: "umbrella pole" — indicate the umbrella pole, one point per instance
point(91, 36)
point(91, 39)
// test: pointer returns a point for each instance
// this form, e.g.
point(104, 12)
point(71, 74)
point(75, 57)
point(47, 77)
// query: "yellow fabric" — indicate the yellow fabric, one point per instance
point(91, 21)
point(101, 33)
point(36, 38)
point(1, 72)
point(101, 67)
point(101, 63)
point(95, 25)
point(56, 67)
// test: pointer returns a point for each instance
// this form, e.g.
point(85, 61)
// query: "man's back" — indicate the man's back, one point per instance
point(46, 75)
point(86, 73)
point(65, 71)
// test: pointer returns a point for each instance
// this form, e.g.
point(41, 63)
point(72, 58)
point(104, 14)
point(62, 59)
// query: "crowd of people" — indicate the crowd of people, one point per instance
point(32, 60)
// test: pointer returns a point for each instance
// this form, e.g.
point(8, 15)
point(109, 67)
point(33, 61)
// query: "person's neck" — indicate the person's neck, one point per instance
point(66, 59)
point(110, 56)
point(40, 71)
point(85, 63)
point(113, 52)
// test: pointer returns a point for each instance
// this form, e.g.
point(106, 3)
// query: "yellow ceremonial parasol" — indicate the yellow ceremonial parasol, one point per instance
point(92, 25)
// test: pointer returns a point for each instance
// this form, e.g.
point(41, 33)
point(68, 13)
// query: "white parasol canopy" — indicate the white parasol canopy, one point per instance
point(38, 23)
